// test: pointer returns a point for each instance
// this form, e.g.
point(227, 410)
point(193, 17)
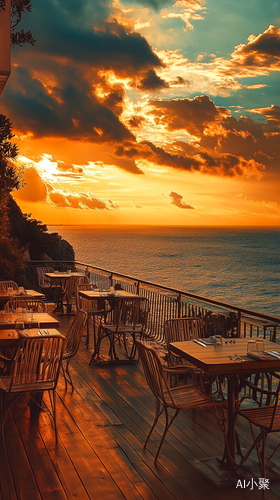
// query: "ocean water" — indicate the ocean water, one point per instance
point(240, 266)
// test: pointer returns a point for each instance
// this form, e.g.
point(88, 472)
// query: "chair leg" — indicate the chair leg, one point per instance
point(249, 451)
point(66, 374)
point(167, 426)
point(157, 415)
point(53, 407)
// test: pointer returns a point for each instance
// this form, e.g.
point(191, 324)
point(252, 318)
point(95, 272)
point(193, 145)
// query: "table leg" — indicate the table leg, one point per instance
point(232, 381)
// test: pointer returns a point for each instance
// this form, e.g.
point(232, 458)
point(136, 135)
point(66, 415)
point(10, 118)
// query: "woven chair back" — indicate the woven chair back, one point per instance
point(42, 281)
point(153, 372)
point(75, 333)
point(4, 285)
point(30, 305)
point(82, 303)
point(183, 329)
point(36, 364)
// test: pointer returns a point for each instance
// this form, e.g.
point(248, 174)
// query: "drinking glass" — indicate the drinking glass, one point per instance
point(24, 317)
point(9, 317)
point(251, 346)
point(260, 345)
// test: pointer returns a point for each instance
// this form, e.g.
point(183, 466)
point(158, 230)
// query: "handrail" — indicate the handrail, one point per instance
point(168, 302)
point(200, 298)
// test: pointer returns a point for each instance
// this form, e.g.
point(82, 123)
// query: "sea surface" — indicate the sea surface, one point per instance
point(240, 266)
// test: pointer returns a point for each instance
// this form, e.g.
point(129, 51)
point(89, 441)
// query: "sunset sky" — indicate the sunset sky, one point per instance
point(149, 112)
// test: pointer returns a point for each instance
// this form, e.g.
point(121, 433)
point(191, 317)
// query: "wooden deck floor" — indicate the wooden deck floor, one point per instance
point(102, 426)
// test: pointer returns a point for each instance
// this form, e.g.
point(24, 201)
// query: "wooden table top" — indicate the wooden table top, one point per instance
point(10, 337)
point(63, 275)
point(103, 294)
point(27, 294)
point(45, 320)
point(215, 358)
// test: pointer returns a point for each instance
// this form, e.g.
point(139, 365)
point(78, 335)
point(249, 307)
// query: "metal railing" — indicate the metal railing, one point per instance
point(167, 303)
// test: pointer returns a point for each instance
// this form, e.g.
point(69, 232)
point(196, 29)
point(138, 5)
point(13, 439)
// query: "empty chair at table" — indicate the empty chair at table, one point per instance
point(73, 341)
point(94, 307)
point(181, 330)
point(50, 290)
point(34, 368)
point(4, 285)
point(69, 291)
point(29, 305)
point(262, 413)
point(127, 317)
point(184, 397)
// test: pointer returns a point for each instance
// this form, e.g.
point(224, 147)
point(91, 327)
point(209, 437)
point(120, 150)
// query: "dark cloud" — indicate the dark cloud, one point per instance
point(261, 51)
point(153, 4)
point(151, 81)
point(177, 200)
point(271, 113)
point(191, 115)
point(73, 112)
point(79, 31)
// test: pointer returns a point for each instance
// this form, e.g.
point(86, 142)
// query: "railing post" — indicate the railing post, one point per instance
point(137, 284)
point(179, 300)
point(238, 324)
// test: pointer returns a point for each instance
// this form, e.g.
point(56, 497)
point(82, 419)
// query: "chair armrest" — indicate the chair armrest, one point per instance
point(4, 358)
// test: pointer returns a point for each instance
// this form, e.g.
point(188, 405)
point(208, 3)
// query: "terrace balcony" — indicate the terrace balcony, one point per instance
point(5, 44)
point(103, 424)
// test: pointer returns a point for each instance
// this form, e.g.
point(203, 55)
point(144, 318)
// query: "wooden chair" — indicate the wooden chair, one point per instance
point(69, 293)
point(4, 285)
point(179, 330)
point(30, 305)
point(73, 341)
point(179, 398)
point(126, 316)
point(49, 290)
point(34, 368)
point(265, 415)
point(94, 308)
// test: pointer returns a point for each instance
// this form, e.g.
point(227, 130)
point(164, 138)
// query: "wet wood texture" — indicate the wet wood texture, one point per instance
point(102, 427)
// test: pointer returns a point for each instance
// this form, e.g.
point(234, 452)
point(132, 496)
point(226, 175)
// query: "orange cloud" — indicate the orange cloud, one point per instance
point(262, 51)
point(34, 188)
point(80, 201)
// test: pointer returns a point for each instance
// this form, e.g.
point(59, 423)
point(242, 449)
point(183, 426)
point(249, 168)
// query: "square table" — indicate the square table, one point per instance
point(215, 359)
point(45, 320)
point(9, 338)
point(106, 294)
point(27, 294)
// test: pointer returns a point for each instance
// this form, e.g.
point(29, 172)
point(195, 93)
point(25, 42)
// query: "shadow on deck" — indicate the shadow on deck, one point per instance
point(102, 427)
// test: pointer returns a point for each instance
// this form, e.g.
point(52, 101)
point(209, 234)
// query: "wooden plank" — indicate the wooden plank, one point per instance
point(25, 484)
point(38, 457)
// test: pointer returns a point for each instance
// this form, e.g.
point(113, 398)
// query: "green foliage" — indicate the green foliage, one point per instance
point(20, 37)
point(7, 149)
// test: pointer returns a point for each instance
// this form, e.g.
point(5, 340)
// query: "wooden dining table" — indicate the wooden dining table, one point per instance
point(27, 294)
point(44, 320)
point(9, 338)
point(105, 294)
point(223, 360)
